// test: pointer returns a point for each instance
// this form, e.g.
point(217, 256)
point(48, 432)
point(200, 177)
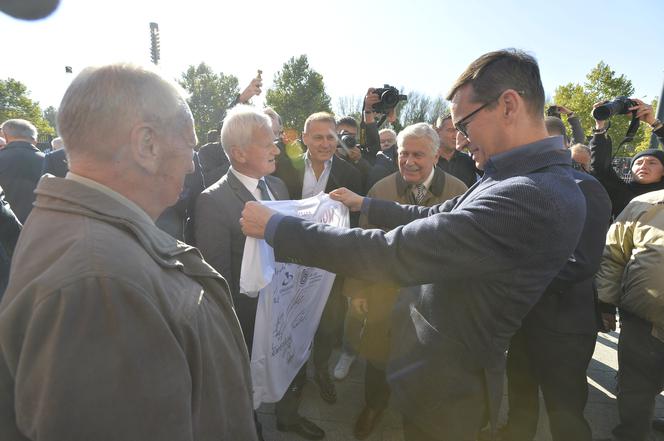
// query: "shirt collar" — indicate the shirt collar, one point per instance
point(528, 157)
point(307, 160)
point(250, 183)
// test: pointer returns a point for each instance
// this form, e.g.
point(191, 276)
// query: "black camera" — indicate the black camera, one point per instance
point(347, 140)
point(553, 111)
point(619, 106)
point(389, 98)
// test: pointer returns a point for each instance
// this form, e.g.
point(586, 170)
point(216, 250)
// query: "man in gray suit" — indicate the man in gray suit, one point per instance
point(248, 141)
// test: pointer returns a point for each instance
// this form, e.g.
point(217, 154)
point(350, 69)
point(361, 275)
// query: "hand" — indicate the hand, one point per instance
point(360, 305)
point(370, 99)
point(563, 110)
point(255, 217)
point(354, 154)
point(644, 111)
point(351, 200)
point(392, 115)
point(609, 321)
point(253, 89)
point(599, 125)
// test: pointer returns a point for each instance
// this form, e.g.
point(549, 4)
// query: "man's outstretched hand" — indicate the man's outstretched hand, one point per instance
point(351, 200)
point(255, 217)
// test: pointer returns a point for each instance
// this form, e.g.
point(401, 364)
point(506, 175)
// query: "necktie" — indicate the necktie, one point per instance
point(420, 192)
point(262, 187)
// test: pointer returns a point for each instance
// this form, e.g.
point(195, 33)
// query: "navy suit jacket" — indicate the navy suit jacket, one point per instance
point(218, 236)
point(486, 257)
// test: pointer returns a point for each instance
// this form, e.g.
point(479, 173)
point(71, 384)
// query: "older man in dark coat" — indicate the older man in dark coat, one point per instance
point(20, 165)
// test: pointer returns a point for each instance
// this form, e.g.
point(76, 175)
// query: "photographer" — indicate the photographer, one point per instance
point(647, 167)
point(578, 135)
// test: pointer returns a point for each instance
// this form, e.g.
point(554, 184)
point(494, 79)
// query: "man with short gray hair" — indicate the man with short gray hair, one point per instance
point(20, 165)
point(110, 328)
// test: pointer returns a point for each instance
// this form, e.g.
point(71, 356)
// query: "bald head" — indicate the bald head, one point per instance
point(103, 104)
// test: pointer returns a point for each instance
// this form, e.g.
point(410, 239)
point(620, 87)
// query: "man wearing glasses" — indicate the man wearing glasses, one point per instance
point(482, 259)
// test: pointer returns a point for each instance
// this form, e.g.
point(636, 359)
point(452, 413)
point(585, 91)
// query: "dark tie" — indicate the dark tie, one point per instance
point(262, 187)
point(421, 191)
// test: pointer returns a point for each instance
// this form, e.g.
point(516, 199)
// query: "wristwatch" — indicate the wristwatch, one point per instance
point(656, 125)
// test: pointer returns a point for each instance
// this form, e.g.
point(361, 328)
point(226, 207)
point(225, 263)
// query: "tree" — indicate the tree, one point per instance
point(210, 95)
point(15, 102)
point(50, 115)
point(421, 108)
point(298, 92)
point(602, 84)
point(350, 106)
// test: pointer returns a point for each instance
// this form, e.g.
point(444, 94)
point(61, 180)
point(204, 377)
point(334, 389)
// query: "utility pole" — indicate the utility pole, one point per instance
point(154, 43)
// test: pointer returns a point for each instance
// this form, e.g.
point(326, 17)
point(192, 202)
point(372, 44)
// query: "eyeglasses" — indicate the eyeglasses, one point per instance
point(462, 125)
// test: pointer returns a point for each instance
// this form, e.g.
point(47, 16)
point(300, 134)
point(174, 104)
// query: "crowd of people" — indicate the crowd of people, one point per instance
point(489, 243)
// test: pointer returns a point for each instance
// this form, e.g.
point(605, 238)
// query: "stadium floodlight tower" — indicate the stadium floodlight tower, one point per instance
point(154, 43)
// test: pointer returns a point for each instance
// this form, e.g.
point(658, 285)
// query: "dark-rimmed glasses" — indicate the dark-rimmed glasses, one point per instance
point(462, 124)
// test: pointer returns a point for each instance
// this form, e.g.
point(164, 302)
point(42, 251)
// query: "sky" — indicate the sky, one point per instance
point(417, 45)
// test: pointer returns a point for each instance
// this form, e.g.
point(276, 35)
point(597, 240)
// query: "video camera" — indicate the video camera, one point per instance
point(619, 106)
point(389, 98)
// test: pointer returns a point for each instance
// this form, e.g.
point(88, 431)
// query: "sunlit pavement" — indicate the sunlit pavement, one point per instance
point(337, 420)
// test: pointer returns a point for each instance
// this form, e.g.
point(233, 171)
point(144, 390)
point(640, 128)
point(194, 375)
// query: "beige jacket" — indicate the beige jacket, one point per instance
point(631, 275)
point(112, 330)
point(374, 344)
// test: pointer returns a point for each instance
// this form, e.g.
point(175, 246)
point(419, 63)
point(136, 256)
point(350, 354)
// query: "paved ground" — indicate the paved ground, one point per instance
point(337, 420)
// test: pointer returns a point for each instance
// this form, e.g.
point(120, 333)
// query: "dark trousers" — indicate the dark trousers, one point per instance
point(330, 330)
point(376, 388)
point(556, 363)
point(640, 377)
point(286, 409)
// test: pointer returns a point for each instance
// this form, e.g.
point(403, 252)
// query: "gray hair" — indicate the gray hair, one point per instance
point(388, 131)
point(442, 118)
point(555, 126)
point(20, 129)
point(103, 103)
point(420, 130)
point(57, 143)
point(239, 126)
point(581, 148)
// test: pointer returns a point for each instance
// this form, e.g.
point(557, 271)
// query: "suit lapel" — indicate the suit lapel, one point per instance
point(240, 190)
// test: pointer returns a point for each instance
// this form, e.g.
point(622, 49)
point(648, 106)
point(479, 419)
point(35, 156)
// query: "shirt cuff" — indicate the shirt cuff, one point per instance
point(366, 202)
point(271, 227)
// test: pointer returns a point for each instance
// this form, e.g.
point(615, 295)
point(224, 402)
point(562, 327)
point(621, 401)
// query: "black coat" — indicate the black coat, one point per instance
point(55, 163)
point(20, 170)
point(10, 228)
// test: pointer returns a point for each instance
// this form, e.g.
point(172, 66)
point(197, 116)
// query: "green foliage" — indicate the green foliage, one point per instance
point(210, 95)
point(298, 92)
point(50, 115)
point(15, 102)
point(602, 84)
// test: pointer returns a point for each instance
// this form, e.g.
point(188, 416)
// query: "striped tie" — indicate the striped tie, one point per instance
point(421, 192)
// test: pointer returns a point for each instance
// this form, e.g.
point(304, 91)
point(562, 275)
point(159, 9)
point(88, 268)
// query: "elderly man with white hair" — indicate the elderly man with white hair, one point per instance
point(110, 328)
point(20, 165)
